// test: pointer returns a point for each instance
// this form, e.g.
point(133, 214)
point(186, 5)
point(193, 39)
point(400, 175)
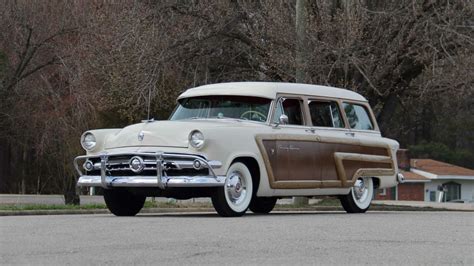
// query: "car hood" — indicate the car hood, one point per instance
point(161, 133)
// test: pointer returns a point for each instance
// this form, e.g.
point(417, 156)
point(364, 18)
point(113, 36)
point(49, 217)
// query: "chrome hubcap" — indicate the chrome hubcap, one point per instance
point(360, 190)
point(236, 188)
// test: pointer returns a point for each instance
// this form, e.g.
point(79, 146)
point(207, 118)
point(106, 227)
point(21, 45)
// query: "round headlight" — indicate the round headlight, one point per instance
point(88, 141)
point(196, 139)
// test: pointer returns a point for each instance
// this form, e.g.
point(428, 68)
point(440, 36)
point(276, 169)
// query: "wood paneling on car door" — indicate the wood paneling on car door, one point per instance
point(292, 159)
point(347, 148)
point(278, 158)
point(302, 160)
point(308, 162)
point(325, 157)
point(351, 167)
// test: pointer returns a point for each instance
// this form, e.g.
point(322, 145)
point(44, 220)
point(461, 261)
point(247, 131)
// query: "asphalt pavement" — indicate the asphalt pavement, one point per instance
point(288, 238)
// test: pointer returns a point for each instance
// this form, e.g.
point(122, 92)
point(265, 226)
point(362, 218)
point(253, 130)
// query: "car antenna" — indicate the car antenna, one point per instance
point(148, 107)
point(148, 104)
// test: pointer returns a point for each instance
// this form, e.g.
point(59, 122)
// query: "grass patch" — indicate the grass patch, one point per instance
point(381, 207)
point(326, 202)
point(34, 207)
point(176, 204)
point(148, 205)
point(322, 204)
point(332, 202)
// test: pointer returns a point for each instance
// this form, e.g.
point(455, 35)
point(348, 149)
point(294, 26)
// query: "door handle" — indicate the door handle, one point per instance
point(352, 134)
point(312, 130)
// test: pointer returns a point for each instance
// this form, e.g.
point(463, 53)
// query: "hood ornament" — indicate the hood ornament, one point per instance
point(141, 135)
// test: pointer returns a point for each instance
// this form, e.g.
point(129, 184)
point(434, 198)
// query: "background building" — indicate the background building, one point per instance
point(430, 180)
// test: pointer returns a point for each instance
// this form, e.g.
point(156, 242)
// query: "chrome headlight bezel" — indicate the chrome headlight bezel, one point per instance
point(196, 139)
point(88, 141)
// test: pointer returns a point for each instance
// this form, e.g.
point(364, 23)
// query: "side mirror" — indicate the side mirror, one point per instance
point(283, 119)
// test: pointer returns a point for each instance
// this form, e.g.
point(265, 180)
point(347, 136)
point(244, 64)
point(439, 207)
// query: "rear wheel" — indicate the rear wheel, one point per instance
point(262, 204)
point(122, 202)
point(359, 198)
point(234, 197)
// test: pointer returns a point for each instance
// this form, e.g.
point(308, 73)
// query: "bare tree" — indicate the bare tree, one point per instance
point(70, 66)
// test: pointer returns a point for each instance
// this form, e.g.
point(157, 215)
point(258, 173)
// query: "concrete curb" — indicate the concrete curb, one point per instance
point(52, 212)
point(374, 208)
point(102, 211)
point(145, 210)
point(204, 205)
point(423, 204)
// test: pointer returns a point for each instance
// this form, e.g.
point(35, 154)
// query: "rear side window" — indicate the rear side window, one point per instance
point(358, 116)
point(325, 114)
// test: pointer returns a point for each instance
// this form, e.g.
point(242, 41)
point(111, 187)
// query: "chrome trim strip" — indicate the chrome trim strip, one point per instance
point(103, 166)
point(178, 165)
point(159, 169)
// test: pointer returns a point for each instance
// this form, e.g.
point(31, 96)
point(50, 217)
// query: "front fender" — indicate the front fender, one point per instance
point(101, 138)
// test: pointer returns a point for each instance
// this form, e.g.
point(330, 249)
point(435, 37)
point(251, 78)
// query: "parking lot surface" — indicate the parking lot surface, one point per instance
point(327, 238)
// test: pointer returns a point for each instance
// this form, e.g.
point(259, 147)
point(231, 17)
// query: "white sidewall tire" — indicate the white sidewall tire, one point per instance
point(244, 173)
point(364, 204)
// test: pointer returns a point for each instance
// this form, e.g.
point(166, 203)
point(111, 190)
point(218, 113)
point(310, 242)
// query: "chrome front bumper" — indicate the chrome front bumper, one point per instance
point(161, 163)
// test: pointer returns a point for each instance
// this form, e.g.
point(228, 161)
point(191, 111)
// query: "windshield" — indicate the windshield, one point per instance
point(239, 107)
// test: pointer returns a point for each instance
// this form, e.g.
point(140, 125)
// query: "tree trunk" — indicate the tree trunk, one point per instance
point(301, 24)
point(385, 115)
point(70, 194)
point(23, 171)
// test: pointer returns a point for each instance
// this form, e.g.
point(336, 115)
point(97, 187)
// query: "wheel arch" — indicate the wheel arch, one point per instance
point(376, 181)
point(254, 168)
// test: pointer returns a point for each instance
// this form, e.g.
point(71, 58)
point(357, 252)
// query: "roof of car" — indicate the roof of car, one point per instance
point(270, 90)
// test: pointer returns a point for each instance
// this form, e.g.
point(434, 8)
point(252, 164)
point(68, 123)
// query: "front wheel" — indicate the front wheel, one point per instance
point(122, 202)
point(233, 199)
point(359, 198)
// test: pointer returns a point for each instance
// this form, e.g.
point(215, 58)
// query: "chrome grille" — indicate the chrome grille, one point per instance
point(171, 165)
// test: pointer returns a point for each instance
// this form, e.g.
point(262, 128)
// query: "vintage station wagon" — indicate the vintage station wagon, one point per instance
point(245, 144)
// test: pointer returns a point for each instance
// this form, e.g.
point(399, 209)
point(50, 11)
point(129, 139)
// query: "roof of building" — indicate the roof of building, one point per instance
point(270, 90)
point(440, 168)
point(410, 176)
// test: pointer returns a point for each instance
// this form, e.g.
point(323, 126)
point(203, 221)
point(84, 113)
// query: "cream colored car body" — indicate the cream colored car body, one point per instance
point(227, 140)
